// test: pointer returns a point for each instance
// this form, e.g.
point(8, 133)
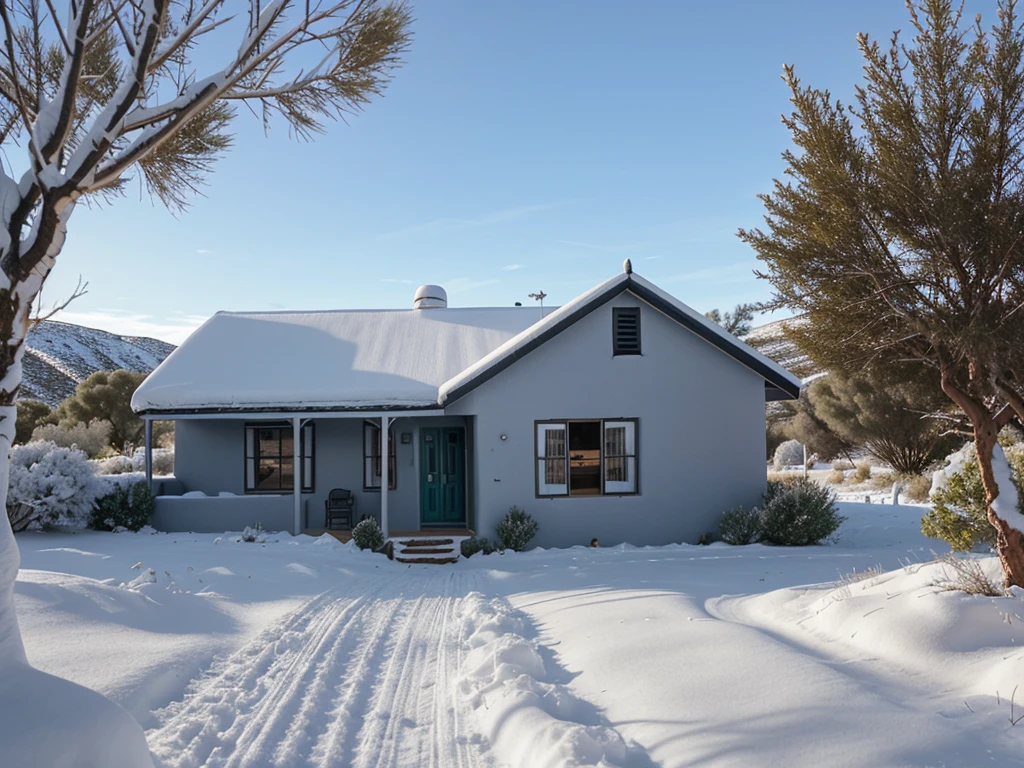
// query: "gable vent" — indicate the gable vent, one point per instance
point(626, 331)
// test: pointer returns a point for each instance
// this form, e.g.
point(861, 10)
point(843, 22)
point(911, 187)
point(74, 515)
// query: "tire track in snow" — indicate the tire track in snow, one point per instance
point(365, 678)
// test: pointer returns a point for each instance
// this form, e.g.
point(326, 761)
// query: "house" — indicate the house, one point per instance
point(624, 415)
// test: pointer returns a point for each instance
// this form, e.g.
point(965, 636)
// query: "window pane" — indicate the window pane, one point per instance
point(250, 441)
point(551, 477)
point(615, 441)
point(620, 475)
point(287, 444)
point(250, 474)
point(287, 474)
point(270, 442)
point(269, 475)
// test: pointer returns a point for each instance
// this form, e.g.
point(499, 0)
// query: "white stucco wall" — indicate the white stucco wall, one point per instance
point(701, 431)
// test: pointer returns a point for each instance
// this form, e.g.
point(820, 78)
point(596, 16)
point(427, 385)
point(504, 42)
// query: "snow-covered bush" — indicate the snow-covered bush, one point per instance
point(115, 465)
point(126, 505)
point(740, 526)
point(254, 535)
point(92, 438)
point(959, 515)
point(163, 461)
point(472, 545)
point(367, 534)
point(516, 529)
point(788, 454)
point(50, 485)
point(798, 513)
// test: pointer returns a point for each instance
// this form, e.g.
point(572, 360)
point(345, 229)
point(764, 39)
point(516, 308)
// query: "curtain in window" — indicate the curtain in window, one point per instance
point(620, 457)
point(551, 460)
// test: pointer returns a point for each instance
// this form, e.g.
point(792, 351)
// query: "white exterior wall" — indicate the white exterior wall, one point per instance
point(701, 431)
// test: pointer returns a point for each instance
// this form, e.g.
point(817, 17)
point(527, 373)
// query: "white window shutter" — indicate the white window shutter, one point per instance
point(619, 457)
point(552, 455)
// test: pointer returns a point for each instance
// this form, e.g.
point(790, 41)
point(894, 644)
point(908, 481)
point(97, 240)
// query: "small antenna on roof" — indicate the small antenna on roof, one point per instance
point(539, 297)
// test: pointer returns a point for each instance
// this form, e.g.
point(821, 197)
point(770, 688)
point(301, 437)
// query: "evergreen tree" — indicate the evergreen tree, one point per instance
point(31, 414)
point(899, 233)
point(106, 396)
point(804, 423)
point(736, 322)
point(887, 417)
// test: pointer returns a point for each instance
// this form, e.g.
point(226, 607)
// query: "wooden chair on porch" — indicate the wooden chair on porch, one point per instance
point(339, 508)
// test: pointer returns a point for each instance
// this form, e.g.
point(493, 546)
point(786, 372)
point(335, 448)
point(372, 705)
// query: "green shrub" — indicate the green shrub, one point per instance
point(472, 545)
point(368, 535)
point(128, 505)
point(516, 529)
point(959, 515)
point(740, 526)
point(798, 514)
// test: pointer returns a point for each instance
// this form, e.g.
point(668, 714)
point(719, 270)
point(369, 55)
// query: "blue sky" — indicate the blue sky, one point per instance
point(524, 146)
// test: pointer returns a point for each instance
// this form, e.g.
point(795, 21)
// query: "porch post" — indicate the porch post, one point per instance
point(149, 452)
point(384, 479)
point(297, 471)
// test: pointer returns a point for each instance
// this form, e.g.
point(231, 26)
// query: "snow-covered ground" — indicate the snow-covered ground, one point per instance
point(305, 652)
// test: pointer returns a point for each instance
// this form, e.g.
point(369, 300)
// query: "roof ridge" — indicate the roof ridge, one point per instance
point(365, 310)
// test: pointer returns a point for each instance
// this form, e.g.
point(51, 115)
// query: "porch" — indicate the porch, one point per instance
point(410, 470)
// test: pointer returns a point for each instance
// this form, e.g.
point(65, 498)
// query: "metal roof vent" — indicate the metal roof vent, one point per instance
point(430, 297)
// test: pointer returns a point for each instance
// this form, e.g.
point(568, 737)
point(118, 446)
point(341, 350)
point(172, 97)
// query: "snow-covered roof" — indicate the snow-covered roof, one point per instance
point(778, 381)
point(366, 359)
point(326, 360)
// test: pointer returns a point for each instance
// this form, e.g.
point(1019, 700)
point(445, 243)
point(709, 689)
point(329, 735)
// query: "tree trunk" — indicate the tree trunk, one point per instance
point(1009, 540)
point(14, 318)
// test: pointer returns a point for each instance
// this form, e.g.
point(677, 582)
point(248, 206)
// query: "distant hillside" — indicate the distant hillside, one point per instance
point(60, 355)
point(770, 340)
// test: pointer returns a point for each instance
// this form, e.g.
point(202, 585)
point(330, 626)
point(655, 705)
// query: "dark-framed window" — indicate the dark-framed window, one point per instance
point(587, 457)
point(625, 331)
point(372, 464)
point(270, 458)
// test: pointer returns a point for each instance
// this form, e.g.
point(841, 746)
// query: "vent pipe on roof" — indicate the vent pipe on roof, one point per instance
point(430, 297)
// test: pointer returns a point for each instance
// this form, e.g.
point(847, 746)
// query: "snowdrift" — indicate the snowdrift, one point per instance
point(530, 721)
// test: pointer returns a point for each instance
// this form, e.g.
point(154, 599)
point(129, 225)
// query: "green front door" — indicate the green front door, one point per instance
point(443, 475)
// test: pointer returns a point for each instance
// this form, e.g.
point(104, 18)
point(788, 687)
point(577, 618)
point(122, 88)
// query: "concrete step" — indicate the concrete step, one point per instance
point(427, 542)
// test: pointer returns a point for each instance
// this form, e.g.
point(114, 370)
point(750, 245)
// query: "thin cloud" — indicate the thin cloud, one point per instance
point(393, 280)
point(173, 329)
point(204, 250)
point(465, 284)
point(510, 267)
point(448, 225)
point(626, 247)
point(739, 272)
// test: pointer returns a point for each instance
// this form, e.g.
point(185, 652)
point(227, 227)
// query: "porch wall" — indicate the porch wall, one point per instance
point(223, 513)
point(210, 457)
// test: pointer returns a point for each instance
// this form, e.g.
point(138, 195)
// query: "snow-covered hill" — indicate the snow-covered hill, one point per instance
point(770, 340)
point(60, 355)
